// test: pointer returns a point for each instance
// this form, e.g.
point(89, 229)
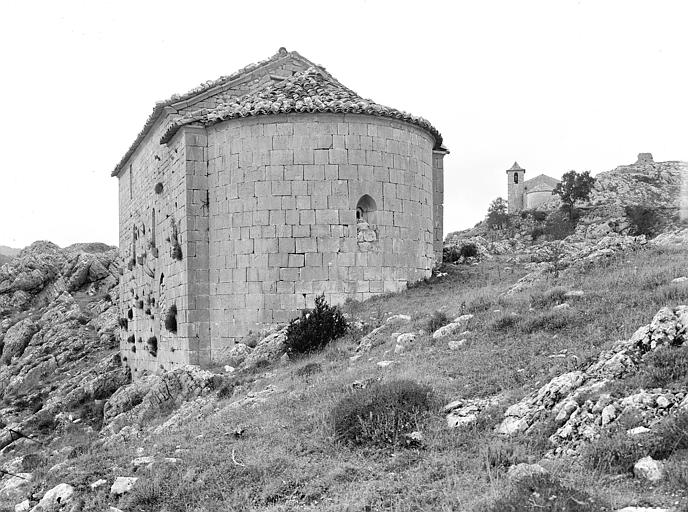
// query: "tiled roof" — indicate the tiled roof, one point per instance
point(310, 91)
point(206, 86)
point(541, 179)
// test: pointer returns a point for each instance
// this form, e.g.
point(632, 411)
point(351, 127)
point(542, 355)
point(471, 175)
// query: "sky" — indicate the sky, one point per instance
point(555, 85)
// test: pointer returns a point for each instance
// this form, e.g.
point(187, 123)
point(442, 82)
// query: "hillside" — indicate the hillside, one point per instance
point(537, 373)
point(260, 437)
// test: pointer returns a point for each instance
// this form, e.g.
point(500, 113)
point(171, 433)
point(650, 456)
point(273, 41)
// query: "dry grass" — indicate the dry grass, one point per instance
point(288, 458)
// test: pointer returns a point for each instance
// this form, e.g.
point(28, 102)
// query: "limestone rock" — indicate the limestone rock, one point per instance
point(678, 280)
point(398, 319)
point(454, 327)
point(122, 485)
point(238, 354)
point(17, 339)
point(408, 337)
point(270, 348)
point(456, 344)
point(643, 509)
point(15, 487)
point(384, 364)
point(55, 498)
point(520, 471)
point(24, 506)
point(649, 469)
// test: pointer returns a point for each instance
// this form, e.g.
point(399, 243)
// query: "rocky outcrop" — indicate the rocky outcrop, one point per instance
point(57, 326)
point(577, 400)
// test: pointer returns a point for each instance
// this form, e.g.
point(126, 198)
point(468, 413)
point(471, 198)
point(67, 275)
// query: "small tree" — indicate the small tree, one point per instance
point(574, 186)
point(497, 217)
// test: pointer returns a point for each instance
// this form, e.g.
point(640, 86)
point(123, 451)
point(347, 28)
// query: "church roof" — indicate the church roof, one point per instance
point(541, 180)
point(309, 91)
point(515, 167)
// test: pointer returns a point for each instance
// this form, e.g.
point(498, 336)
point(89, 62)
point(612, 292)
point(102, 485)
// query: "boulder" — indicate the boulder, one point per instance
point(456, 344)
point(15, 487)
point(520, 471)
point(17, 339)
point(649, 469)
point(270, 348)
point(122, 485)
point(24, 506)
point(407, 337)
point(55, 498)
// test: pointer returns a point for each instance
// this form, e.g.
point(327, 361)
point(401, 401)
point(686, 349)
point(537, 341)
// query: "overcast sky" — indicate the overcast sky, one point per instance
point(556, 85)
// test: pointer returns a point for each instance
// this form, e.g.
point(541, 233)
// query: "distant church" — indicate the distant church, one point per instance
point(528, 194)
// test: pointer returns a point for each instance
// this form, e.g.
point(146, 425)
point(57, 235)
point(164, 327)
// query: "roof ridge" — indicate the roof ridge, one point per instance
point(161, 105)
point(300, 93)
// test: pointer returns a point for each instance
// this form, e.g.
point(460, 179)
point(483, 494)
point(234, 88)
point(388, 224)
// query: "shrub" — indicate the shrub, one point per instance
point(315, 328)
point(380, 414)
point(503, 322)
point(469, 250)
point(677, 472)
point(644, 221)
point(670, 435)
point(158, 188)
point(437, 320)
point(451, 254)
point(548, 298)
point(543, 493)
point(546, 321)
point(308, 369)
point(171, 319)
point(502, 454)
point(139, 304)
point(133, 349)
point(614, 452)
point(560, 225)
point(539, 216)
point(130, 314)
point(131, 339)
point(660, 368)
point(152, 345)
point(123, 323)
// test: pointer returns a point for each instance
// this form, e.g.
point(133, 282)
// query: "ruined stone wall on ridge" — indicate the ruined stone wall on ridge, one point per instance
point(283, 197)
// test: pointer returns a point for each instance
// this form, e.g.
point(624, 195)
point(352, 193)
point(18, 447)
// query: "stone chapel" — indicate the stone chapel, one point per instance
point(527, 194)
point(245, 198)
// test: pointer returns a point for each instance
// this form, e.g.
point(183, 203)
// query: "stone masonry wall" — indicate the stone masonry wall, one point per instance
point(283, 228)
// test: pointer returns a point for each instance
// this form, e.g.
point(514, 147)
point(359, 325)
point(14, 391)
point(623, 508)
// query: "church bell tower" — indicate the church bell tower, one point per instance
point(515, 187)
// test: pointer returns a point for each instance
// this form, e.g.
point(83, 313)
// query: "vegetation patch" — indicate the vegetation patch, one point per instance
point(548, 298)
point(380, 414)
point(544, 493)
point(437, 320)
point(315, 328)
point(644, 220)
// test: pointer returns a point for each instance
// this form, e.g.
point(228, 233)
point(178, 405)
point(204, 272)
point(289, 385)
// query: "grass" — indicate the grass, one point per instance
point(289, 457)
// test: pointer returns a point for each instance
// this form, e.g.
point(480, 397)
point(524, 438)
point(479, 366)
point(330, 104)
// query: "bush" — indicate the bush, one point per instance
point(544, 493)
point(315, 328)
point(503, 322)
point(548, 298)
point(469, 250)
point(670, 435)
point(546, 321)
point(644, 221)
point(437, 320)
point(171, 319)
point(614, 452)
point(451, 254)
point(660, 368)
point(308, 369)
point(131, 339)
point(502, 454)
point(158, 188)
point(130, 314)
point(123, 323)
point(381, 414)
